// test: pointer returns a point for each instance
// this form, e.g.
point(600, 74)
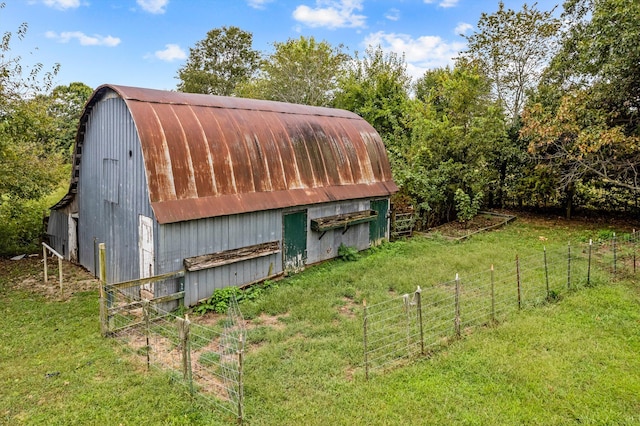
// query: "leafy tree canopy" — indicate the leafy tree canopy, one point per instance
point(512, 48)
point(376, 86)
point(219, 63)
point(301, 71)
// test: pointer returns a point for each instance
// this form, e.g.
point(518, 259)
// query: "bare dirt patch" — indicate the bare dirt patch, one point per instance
point(28, 274)
point(482, 222)
point(349, 308)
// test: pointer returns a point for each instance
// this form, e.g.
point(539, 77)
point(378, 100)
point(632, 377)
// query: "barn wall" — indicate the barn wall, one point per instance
point(319, 249)
point(177, 241)
point(112, 191)
point(180, 240)
point(58, 231)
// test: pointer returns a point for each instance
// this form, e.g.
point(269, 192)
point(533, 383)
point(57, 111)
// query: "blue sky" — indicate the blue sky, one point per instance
point(144, 42)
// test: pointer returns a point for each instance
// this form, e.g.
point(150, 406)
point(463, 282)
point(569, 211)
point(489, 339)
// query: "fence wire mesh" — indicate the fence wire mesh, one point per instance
point(207, 359)
point(415, 324)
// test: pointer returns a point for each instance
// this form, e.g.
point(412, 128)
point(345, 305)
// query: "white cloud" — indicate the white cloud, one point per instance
point(83, 39)
point(462, 28)
point(153, 6)
point(443, 3)
point(421, 54)
point(62, 4)
point(331, 14)
point(448, 3)
point(172, 52)
point(392, 14)
point(258, 4)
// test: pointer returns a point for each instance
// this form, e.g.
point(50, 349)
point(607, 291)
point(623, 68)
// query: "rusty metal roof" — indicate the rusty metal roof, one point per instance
point(212, 155)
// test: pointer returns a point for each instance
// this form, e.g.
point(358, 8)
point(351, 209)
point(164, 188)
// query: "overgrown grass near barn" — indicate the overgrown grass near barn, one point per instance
point(575, 360)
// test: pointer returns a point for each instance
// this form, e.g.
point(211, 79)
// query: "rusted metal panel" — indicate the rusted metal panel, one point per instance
point(207, 156)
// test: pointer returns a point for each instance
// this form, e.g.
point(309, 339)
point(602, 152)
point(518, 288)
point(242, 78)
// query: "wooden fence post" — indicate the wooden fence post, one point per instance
point(60, 273)
point(185, 344)
point(44, 257)
point(104, 326)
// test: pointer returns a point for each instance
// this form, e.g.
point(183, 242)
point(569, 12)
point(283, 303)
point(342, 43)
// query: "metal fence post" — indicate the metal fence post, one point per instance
point(633, 239)
point(493, 296)
point(418, 294)
point(366, 355)
point(589, 263)
point(546, 272)
point(457, 301)
point(569, 266)
point(240, 379)
point(145, 313)
point(518, 280)
point(615, 255)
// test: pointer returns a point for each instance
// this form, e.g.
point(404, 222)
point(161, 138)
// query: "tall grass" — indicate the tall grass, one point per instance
point(574, 361)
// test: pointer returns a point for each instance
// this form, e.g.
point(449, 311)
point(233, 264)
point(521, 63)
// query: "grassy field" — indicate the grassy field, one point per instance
point(572, 361)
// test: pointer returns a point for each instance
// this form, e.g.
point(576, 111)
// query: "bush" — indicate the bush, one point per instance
point(348, 253)
point(466, 209)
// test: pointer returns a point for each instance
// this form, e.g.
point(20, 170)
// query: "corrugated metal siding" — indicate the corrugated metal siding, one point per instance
point(177, 241)
point(319, 249)
point(58, 231)
point(112, 168)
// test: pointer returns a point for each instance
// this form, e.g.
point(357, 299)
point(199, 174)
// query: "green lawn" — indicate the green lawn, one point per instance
point(573, 361)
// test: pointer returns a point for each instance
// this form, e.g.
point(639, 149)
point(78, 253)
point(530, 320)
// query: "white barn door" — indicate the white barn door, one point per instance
point(145, 245)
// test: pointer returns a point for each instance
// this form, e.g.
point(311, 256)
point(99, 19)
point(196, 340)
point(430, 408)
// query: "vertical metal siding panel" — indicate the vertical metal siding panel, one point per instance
point(111, 134)
point(327, 247)
point(58, 230)
point(204, 236)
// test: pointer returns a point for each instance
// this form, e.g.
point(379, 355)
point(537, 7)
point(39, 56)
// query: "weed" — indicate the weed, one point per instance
point(348, 253)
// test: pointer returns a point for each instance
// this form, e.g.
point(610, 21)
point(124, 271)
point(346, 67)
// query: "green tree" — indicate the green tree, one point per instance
point(300, 71)
point(582, 124)
point(30, 165)
point(376, 87)
point(66, 104)
point(513, 48)
point(455, 130)
point(219, 63)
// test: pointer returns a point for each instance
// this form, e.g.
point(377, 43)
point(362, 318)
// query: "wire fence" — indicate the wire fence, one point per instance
point(208, 360)
point(413, 325)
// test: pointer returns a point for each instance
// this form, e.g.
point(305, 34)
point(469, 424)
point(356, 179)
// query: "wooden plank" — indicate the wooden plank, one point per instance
point(227, 257)
point(138, 303)
point(142, 281)
point(323, 224)
point(55, 253)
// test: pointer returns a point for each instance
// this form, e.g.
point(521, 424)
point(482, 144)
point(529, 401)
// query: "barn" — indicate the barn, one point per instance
point(231, 190)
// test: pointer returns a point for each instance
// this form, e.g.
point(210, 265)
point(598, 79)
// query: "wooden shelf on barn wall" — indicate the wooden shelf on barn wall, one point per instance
point(342, 221)
point(227, 257)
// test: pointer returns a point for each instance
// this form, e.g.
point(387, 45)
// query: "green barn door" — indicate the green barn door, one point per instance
point(294, 241)
point(378, 228)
